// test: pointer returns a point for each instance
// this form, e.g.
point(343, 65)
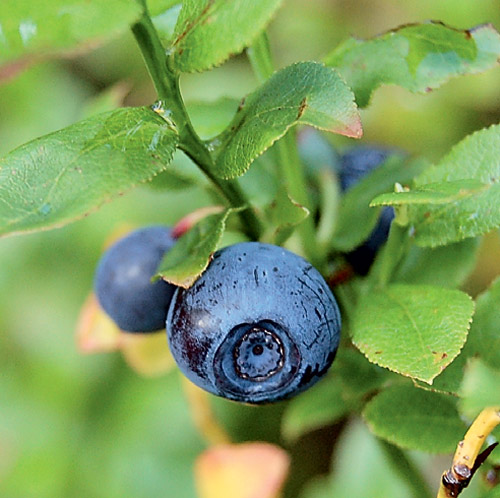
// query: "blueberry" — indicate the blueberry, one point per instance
point(356, 164)
point(259, 325)
point(123, 280)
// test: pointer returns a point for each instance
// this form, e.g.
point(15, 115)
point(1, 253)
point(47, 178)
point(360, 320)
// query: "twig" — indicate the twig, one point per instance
point(467, 459)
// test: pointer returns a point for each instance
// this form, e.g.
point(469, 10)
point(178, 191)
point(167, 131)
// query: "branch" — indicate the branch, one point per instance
point(467, 459)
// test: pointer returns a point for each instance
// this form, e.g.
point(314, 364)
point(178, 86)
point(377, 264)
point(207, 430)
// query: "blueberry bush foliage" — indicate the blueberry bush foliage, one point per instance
point(419, 358)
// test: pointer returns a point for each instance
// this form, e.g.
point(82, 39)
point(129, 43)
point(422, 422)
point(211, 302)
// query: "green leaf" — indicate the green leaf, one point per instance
point(483, 340)
point(57, 25)
point(305, 92)
point(342, 391)
point(209, 31)
point(65, 175)
point(356, 219)
point(418, 57)
point(284, 215)
point(360, 469)
point(432, 193)
point(156, 7)
point(166, 20)
point(211, 118)
point(450, 380)
point(181, 174)
point(492, 493)
point(484, 336)
point(261, 182)
point(480, 388)
point(413, 330)
point(319, 406)
point(475, 158)
point(190, 256)
point(445, 266)
point(415, 419)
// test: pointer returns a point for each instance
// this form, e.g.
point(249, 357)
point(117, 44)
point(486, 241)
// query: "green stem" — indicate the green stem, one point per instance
point(166, 82)
point(410, 473)
point(291, 168)
point(390, 255)
point(259, 55)
point(330, 200)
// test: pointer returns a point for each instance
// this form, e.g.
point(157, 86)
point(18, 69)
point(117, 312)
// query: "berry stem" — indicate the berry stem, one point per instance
point(291, 169)
point(166, 81)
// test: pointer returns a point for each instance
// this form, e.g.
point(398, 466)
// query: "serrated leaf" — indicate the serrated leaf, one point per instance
point(342, 391)
point(415, 419)
point(432, 193)
point(484, 336)
point(284, 215)
point(480, 388)
point(450, 380)
point(63, 176)
point(241, 471)
point(483, 340)
point(413, 330)
point(305, 92)
point(356, 219)
point(48, 27)
point(189, 257)
point(181, 174)
point(475, 158)
point(418, 57)
point(209, 31)
point(445, 266)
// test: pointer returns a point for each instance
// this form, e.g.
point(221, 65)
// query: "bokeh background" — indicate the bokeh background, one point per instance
point(88, 425)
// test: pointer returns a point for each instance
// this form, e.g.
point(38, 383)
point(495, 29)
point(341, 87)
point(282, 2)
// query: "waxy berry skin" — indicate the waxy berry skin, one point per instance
point(259, 325)
point(123, 280)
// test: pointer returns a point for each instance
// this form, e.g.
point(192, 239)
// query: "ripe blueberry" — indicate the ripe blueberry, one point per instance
point(123, 280)
point(259, 325)
point(355, 164)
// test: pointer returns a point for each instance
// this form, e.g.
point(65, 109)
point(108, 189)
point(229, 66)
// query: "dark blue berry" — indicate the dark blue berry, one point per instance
point(123, 280)
point(356, 164)
point(259, 325)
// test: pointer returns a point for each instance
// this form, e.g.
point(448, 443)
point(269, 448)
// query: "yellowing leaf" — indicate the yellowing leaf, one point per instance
point(147, 354)
point(95, 331)
point(250, 470)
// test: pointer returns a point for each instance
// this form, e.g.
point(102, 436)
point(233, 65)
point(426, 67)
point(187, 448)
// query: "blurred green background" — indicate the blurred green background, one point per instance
point(87, 425)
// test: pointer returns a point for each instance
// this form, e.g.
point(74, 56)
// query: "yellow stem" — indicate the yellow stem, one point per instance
point(203, 415)
point(458, 476)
